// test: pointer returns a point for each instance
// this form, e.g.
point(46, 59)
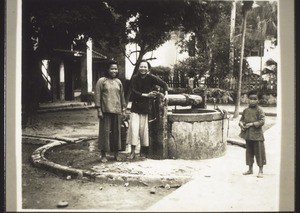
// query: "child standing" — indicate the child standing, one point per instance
point(251, 122)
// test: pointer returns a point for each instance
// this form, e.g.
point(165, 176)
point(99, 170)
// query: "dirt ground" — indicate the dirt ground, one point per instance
point(44, 190)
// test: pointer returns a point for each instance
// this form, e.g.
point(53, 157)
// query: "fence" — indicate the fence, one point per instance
point(249, 82)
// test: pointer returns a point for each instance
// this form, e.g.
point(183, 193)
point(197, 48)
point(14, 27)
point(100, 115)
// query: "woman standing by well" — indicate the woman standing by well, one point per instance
point(111, 105)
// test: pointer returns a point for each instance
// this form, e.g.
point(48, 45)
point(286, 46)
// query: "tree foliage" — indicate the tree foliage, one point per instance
point(192, 66)
point(58, 24)
point(264, 19)
point(61, 22)
point(210, 39)
point(55, 24)
point(161, 71)
point(261, 25)
point(150, 22)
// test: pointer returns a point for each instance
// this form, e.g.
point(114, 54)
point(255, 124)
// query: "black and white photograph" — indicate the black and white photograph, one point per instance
point(149, 105)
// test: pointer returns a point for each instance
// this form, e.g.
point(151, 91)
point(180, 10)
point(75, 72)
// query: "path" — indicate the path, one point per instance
point(226, 189)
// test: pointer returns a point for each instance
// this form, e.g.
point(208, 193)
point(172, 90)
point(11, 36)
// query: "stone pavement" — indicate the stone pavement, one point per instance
point(224, 188)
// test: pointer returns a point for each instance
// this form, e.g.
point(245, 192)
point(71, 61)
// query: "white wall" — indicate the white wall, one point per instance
point(257, 63)
point(166, 55)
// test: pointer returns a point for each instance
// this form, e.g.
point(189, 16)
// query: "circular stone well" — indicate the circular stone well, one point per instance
point(197, 133)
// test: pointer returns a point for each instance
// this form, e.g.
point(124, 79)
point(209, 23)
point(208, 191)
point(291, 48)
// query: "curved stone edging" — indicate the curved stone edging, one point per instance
point(39, 160)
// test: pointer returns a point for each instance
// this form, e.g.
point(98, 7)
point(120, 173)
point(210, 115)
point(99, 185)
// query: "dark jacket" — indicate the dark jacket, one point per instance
point(141, 85)
point(257, 117)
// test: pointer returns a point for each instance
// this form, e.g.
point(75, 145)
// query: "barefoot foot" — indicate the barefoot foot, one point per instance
point(103, 159)
point(131, 156)
point(260, 175)
point(143, 156)
point(117, 158)
point(248, 173)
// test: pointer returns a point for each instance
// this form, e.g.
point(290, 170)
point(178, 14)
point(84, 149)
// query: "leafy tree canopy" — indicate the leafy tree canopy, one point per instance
point(153, 20)
point(59, 24)
point(192, 66)
point(161, 71)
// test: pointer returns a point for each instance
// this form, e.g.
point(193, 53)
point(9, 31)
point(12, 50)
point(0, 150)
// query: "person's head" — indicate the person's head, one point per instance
point(112, 69)
point(144, 67)
point(253, 97)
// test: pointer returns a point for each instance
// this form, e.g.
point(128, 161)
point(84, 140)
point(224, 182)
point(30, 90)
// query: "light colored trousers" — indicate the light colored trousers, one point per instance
point(138, 130)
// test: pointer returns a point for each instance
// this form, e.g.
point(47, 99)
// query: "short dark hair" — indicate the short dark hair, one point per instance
point(254, 92)
point(111, 62)
point(107, 66)
point(149, 65)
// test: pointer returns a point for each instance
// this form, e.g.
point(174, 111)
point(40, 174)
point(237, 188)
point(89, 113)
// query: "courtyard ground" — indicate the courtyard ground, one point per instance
point(43, 190)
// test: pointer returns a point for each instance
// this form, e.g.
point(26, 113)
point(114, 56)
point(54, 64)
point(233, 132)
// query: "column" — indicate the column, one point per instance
point(89, 65)
point(62, 81)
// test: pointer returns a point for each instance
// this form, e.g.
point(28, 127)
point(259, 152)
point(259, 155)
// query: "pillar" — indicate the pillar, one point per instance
point(62, 81)
point(89, 65)
point(83, 77)
point(54, 73)
point(86, 73)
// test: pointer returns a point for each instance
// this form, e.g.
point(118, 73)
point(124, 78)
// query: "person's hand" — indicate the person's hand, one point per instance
point(100, 114)
point(123, 115)
point(166, 98)
point(248, 125)
point(242, 126)
point(152, 94)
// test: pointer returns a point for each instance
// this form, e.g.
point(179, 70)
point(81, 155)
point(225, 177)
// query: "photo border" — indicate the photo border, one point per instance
point(12, 98)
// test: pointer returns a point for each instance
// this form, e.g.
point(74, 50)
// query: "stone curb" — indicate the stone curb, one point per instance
point(87, 107)
point(65, 108)
point(271, 114)
point(39, 160)
point(75, 104)
point(236, 142)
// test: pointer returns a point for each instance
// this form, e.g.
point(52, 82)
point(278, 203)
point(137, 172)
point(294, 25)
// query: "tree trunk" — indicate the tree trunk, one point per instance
point(238, 96)
point(232, 31)
point(158, 139)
